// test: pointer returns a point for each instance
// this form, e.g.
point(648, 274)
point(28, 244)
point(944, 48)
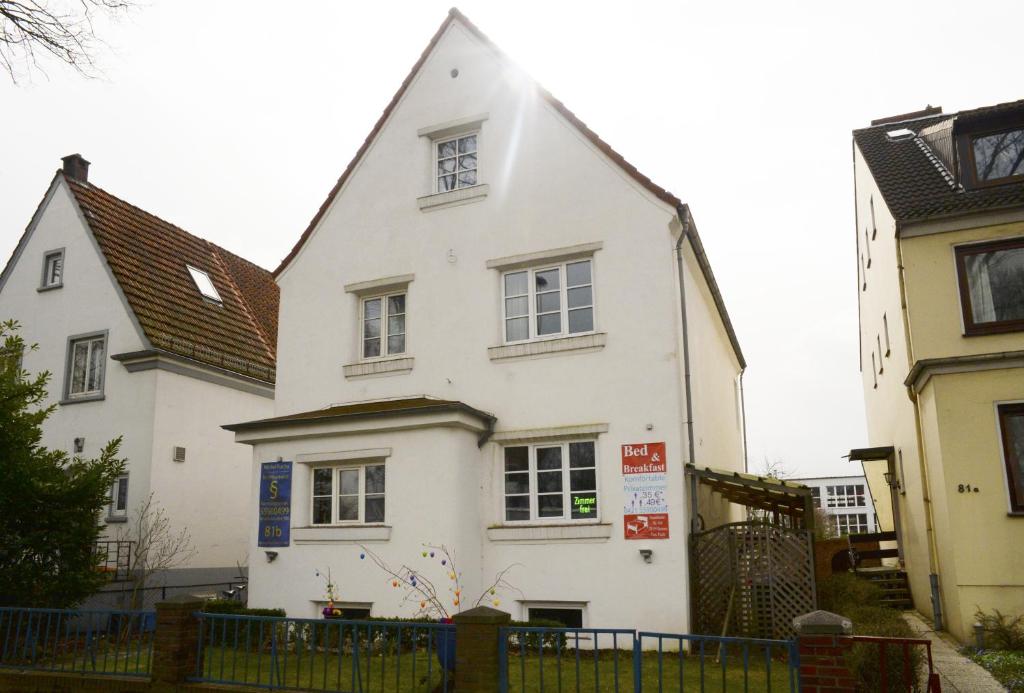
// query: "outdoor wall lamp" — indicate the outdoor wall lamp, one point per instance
point(891, 481)
point(647, 555)
point(271, 556)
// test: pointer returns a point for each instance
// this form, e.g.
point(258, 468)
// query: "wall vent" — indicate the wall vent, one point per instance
point(179, 454)
point(79, 445)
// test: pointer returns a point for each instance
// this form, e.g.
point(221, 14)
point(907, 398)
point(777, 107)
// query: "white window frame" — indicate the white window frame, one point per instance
point(851, 520)
point(385, 333)
point(838, 497)
point(85, 395)
point(201, 278)
point(45, 280)
point(117, 498)
point(435, 160)
point(563, 298)
point(566, 517)
point(335, 487)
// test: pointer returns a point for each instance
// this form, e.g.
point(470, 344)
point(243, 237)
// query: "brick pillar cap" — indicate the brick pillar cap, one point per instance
point(822, 623)
point(483, 614)
point(180, 601)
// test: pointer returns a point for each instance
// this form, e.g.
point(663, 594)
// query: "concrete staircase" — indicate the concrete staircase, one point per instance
point(892, 582)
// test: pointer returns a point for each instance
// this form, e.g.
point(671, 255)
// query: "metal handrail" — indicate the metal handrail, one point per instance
point(934, 684)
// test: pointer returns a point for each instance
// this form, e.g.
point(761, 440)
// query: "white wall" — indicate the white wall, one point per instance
point(88, 302)
point(549, 188)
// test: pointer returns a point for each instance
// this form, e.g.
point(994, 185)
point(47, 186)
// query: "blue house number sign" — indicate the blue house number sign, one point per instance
point(275, 503)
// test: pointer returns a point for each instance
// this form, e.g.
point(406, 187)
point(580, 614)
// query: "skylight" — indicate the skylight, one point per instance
point(204, 284)
point(901, 134)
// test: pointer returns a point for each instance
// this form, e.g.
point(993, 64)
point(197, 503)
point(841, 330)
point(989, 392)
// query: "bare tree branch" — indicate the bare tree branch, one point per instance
point(32, 31)
point(158, 546)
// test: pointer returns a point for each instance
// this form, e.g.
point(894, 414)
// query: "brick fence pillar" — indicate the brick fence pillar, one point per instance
point(823, 639)
point(476, 649)
point(175, 642)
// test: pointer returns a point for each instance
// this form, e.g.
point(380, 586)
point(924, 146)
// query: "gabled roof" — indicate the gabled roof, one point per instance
point(913, 179)
point(455, 16)
point(148, 258)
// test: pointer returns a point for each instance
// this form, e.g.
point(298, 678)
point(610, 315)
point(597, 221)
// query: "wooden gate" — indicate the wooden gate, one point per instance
point(750, 579)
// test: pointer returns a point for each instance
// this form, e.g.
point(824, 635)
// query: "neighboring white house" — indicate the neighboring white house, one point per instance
point(846, 500)
point(155, 335)
point(488, 331)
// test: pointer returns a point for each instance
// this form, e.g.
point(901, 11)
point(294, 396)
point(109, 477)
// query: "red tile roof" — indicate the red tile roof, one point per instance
point(148, 258)
point(453, 16)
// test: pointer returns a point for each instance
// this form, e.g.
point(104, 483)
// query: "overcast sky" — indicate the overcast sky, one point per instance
point(234, 119)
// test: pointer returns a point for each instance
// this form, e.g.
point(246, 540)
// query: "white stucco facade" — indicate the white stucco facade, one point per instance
point(547, 195)
point(152, 408)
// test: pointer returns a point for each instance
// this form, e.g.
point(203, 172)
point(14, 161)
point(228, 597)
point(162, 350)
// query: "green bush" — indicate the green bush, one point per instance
point(1002, 632)
point(230, 606)
point(860, 601)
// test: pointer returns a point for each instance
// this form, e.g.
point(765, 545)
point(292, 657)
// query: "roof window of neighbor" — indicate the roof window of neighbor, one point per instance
point(203, 283)
point(998, 156)
point(901, 134)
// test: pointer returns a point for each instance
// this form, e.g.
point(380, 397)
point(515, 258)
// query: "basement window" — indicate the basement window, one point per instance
point(204, 284)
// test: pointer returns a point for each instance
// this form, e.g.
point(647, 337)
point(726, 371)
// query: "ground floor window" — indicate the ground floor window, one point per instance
point(119, 497)
point(856, 523)
point(551, 482)
point(350, 611)
point(350, 494)
point(569, 617)
point(1011, 425)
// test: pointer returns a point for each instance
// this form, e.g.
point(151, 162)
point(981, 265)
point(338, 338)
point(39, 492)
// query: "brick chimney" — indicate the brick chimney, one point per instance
point(76, 168)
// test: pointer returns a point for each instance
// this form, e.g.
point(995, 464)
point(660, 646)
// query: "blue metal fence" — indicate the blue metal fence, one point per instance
point(324, 655)
point(539, 659)
point(115, 642)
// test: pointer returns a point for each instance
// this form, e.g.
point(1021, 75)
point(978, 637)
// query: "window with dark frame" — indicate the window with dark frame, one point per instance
point(867, 246)
point(1011, 426)
point(991, 278)
point(885, 329)
point(568, 617)
point(874, 226)
point(997, 157)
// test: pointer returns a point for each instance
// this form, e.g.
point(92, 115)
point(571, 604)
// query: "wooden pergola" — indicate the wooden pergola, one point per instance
point(780, 499)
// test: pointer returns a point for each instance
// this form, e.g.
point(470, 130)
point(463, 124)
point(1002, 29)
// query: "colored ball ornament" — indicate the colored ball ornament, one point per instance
point(362, 556)
point(497, 602)
point(424, 554)
point(423, 604)
point(458, 593)
point(451, 575)
point(443, 562)
point(455, 601)
point(394, 583)
point(431, 554)
point(492, 592)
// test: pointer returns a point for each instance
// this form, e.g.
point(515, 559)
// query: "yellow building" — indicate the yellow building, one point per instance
point(940, 260)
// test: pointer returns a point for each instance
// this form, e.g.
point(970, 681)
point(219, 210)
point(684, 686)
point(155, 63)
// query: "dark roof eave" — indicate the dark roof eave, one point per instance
point(871, 454)
point(488, 419)
point(163, 353)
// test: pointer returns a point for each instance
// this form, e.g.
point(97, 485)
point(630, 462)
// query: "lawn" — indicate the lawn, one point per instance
point(414, 672)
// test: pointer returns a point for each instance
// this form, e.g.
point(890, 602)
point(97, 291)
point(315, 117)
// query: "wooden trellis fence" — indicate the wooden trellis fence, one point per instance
point(751, 579)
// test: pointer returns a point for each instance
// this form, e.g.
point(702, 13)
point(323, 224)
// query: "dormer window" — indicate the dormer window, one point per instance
point(997, 157)
point(204, 284)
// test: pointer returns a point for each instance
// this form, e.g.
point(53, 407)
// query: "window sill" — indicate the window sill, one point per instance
point(115, 519)
point(453, 198)
point(78, 400)
point(1015, 513)
point(41, 289)
point(586, 342)
point(384, 366)
point(994, 328)
point(551, 533)
point(334, 534)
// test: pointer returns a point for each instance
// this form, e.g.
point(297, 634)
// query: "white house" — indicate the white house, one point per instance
point(499, 336)
point(846, 501)
point(156, 335)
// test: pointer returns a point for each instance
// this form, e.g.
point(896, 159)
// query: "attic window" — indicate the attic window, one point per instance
point(204, 284)
point(998, 157)
point(900, 134)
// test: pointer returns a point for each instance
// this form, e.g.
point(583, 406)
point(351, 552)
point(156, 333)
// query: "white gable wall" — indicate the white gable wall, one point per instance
point(88, 302)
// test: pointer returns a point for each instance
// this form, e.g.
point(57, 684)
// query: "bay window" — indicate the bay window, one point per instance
point(548, 301)
point(351, 494)
point(553, 481)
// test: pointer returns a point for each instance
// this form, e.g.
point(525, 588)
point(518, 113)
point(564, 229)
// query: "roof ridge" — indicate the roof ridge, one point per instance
point(89, 185)
point(455, 15)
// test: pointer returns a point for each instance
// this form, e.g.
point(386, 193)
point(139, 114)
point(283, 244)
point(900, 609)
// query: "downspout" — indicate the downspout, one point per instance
point(926, 495)
point(743, 420)
point(684, 217)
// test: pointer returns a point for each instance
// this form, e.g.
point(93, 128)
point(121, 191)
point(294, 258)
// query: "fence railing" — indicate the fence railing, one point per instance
point(900, 670)
point(614, 660)
point(77, 640)
point(324, 655)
